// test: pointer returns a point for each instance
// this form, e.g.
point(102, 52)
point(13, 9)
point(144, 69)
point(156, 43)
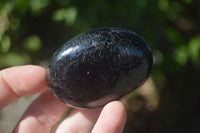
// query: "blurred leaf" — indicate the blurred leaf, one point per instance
point(194, 47)
point(21, 6)
point(181, 55)
point(38, 5)
point(170, 8)
point(174, 36)
point(15, 23)
point(5, 44)
point(163, 5)
point(32, 43)
point(68, 15)
point(188, 1)
point(4, 23)
point(14, 59)
point(7, 8)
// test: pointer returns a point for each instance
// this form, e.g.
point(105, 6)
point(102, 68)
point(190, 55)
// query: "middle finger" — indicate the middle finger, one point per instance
point(79, 121)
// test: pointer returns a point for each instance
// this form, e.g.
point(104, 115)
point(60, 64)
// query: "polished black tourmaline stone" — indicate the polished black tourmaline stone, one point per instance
point(99, 66)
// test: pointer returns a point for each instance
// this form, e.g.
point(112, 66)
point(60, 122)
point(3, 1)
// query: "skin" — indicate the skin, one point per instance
point(45, 112)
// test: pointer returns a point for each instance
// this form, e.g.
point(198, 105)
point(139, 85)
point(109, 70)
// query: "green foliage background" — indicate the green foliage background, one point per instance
point(31, 30)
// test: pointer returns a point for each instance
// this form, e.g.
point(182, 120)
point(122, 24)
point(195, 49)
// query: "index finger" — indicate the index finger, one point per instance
point(20, 81)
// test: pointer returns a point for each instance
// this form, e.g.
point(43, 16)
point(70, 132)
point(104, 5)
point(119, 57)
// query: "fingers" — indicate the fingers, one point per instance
point(19, 81)
point(46, 111)
point(79, 121)
point(42, 115)
point(112, 118)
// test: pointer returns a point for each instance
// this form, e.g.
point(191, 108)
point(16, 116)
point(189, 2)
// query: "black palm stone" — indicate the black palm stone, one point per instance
point(99, 66)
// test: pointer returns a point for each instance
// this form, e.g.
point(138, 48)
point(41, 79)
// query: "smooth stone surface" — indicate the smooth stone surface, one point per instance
point(99, 66)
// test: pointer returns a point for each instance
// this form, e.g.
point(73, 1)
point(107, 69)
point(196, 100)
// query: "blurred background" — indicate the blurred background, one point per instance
point(31, 30)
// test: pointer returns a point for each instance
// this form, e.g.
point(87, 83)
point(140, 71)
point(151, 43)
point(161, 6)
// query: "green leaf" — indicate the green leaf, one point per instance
point(163, 5)
point(187, 1)
point(38, 5)
point(5, 44)
point(32, 43)
point(181, 55)
point(14, 59)
point(194, 47)
point(68, 15)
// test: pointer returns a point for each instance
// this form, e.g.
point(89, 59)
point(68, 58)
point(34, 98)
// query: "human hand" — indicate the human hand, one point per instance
point(45, 112)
